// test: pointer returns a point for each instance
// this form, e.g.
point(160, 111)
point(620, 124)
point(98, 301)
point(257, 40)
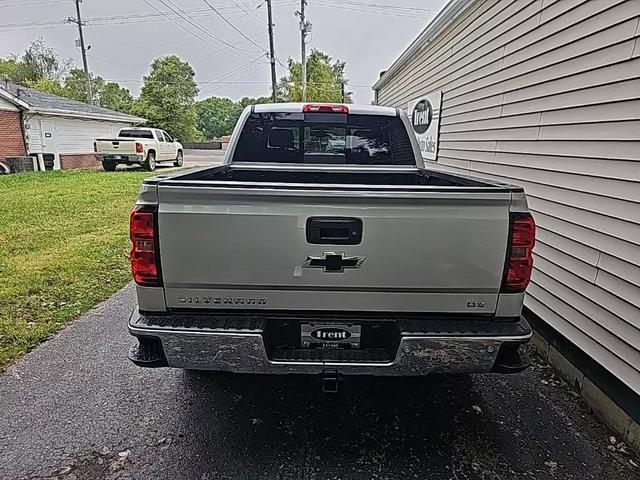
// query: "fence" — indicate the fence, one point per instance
point(203, 146)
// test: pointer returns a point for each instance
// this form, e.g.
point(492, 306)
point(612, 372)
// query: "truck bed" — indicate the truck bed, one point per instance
point(357, 177)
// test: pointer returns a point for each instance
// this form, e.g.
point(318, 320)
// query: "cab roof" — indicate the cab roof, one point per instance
point(298, 107)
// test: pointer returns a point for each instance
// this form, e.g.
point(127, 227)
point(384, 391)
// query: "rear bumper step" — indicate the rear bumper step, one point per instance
point(253, 344)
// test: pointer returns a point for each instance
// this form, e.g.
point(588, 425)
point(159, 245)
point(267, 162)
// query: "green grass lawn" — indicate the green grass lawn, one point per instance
point(63, 248)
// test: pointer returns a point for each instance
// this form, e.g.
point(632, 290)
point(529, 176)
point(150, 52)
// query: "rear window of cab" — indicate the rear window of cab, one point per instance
point(135, 134)
point(324, 138)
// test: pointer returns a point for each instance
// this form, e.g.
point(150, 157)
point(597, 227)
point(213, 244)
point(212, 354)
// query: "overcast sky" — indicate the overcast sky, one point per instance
point(126, 35)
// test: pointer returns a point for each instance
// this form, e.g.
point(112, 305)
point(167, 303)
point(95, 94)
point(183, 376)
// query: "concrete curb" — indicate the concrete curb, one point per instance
point(600, 403)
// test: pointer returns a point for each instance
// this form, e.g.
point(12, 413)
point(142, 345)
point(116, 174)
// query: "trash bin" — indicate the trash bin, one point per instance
point(49, 160)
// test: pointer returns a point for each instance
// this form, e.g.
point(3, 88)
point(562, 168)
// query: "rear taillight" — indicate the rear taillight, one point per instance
point(95, 147)
point(145, 265)
point(519, 262)
point(310, 108)
point(139, 148)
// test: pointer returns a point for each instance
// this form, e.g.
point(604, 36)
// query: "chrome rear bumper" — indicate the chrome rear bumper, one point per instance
point(241, 349)
point(122, 158)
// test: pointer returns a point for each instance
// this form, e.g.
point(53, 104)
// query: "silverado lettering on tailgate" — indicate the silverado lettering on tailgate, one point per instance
point(222, 300)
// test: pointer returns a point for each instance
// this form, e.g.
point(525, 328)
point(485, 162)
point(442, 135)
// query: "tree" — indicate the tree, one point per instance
point(11, 69)
point(42, 69)
point(108, 95)
point(246, 101)
point(115, 97)
point(167, 97)
point(42, 62)
point(216, 116)
point(38, 62)
point(75, 86)
point(48, 86)
point(325, 80)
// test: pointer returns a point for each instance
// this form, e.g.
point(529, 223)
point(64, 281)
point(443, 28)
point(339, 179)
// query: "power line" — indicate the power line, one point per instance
point(225, 76)
point(127, 67)
point(239, 81)
point(28, 4)
point(280, 62)
point(249, 14)
point(386, 7)
point(385, 11)
point(199, 12)
point(216, 51)
point(173, 7)
point(189, 31)
point(145, 17)
point(203, 28)
point(148, 45)
point(219, 79)
point(232, 25)
point(32, 24)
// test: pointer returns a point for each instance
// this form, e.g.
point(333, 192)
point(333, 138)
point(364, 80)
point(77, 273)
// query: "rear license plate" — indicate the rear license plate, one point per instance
point(116, 157)
point(330, 335)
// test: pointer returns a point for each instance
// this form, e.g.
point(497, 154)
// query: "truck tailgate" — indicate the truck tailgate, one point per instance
point(436, 250)
point(116, 146)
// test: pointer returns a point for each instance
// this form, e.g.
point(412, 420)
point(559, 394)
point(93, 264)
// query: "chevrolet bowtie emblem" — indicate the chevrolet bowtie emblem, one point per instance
point(333, 262)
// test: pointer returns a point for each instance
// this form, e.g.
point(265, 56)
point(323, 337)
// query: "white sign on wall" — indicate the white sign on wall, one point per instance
point(424, 113)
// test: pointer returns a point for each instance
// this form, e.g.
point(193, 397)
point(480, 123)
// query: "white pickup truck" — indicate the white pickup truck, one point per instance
point(138, 146)
point(324, 246)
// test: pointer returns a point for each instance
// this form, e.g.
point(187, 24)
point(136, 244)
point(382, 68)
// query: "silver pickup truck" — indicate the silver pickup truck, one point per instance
point(324, 246)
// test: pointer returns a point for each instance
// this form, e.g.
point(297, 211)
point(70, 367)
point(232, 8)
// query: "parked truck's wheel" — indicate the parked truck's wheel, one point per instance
point(179, 159)
point(150, 162)
point(109, 166)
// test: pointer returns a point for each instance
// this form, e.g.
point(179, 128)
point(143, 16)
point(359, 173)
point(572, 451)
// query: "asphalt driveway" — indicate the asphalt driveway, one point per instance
point(75, 408)
point(193, 158)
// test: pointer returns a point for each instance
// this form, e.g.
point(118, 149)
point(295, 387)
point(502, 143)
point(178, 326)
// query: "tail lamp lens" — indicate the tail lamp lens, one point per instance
point(144, 261)
point(139, 148)
point(522, 238)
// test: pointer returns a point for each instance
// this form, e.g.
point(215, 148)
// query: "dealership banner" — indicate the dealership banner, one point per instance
point(424, 113)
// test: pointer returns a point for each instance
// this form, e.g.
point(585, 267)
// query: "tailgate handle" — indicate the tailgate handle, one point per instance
point(334, 230)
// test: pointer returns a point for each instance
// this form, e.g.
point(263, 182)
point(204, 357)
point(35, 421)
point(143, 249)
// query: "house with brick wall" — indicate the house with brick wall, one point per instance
point(57, 130)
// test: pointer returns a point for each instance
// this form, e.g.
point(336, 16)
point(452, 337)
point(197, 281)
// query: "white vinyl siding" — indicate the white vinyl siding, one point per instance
point(33, 133)
point(70, 135)
point(546, 94)
point(7, 105)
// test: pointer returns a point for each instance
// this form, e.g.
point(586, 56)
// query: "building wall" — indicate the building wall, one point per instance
point(546, 94)
point(33, 135)
point(11, 141)
point(6, 105)
point(79, 161)
point(70, 138)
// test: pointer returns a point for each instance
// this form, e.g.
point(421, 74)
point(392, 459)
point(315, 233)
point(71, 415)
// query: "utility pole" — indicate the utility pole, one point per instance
point(272, 54)
point(78, 21)
point(304, 29)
